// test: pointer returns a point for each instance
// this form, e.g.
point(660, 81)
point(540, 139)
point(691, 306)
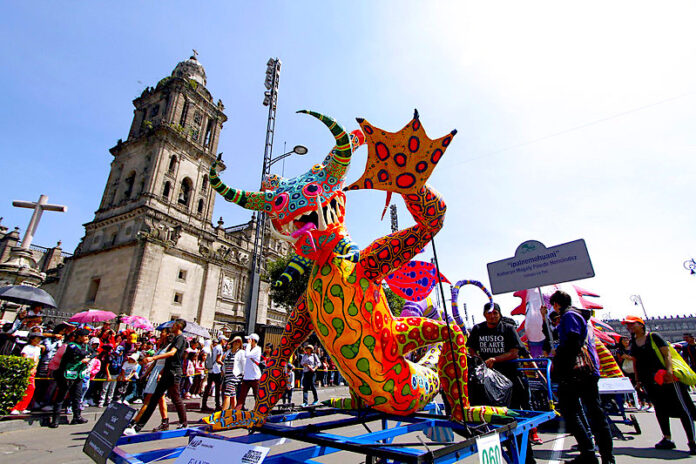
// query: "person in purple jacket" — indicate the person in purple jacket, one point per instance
point(573, 334)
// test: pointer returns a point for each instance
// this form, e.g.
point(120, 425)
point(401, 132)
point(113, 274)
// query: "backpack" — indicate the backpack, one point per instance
point(682, 371)
point(116, 363)
point(210, 360)
point(54, 363)
point(75, 370)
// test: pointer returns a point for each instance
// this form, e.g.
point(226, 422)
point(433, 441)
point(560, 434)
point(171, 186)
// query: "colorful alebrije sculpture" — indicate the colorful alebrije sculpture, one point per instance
point(344, 303)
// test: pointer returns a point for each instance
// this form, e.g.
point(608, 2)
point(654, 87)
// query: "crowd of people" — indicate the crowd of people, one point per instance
point(77, 366)
point(644, 357)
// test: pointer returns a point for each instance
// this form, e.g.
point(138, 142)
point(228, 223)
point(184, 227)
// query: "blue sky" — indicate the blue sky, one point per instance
point(575, 120)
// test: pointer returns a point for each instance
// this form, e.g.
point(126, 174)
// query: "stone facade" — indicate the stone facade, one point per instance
point(45, 263)
point(151, 249)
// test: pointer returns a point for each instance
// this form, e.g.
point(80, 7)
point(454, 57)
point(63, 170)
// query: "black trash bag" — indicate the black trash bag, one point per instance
point(488, 387)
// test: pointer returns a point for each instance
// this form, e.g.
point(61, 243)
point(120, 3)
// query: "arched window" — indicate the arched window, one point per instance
point(130, 180)
point(184, 113)
point(172, 164)
point(200, 206)
point(204, 183)
point(208, 133)
point(166, 190)
point(185, 192)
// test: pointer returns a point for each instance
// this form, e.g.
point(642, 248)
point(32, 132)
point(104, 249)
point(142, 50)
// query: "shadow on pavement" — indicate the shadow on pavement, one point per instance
point(652, 453)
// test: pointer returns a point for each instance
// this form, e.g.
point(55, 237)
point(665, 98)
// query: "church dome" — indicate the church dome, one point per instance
point(191, 69)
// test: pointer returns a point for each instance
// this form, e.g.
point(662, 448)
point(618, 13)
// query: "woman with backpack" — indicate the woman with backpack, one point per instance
point(654, 371)
point(69, 377)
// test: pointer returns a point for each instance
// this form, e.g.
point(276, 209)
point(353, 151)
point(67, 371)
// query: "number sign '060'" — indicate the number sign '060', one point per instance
point(489, 449)
point(491, 455)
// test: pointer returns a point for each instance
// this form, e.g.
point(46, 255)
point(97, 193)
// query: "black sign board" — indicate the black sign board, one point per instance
point(107, 431)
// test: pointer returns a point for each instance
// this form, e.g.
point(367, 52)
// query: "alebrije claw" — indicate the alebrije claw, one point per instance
point(454, 132)
point(415, 114)
point(360, 120)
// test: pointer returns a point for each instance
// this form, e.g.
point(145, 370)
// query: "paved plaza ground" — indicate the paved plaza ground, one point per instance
point(37, 444)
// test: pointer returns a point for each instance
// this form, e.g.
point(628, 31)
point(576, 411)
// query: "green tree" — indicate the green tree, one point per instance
point(396, 303)
point(289, 294)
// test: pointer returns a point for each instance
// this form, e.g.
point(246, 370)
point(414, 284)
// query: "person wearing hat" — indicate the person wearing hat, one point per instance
point(497, 342)
point(310, 362)
point(232, 373)
point(91, 372)
point(252, 371)
point(69, 379)
point(669, 396)
point(31, 351)
point(214, 366)
point(575, 337)
point(112, 370)
point(126, 378)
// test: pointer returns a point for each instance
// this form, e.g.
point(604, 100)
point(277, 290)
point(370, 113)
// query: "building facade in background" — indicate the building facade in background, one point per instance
point(671, 328)
point(152, 249)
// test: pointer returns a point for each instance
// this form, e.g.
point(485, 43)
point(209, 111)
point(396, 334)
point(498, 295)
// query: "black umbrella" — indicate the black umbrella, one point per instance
point(24, 294)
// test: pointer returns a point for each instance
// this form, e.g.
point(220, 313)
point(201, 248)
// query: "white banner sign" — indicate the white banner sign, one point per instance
point(489, 451)
point(614, 385)
point(534, 265)
point(203, 450)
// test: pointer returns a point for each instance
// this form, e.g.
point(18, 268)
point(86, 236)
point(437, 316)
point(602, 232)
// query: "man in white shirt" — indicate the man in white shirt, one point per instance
point(214, 366)
point(252, 371)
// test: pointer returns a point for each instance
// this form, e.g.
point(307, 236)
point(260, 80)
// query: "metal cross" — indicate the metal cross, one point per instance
point(38, 208)
point(195, 53)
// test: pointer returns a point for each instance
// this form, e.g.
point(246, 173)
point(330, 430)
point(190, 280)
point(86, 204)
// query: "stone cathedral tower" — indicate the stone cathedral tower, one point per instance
point(151, 248)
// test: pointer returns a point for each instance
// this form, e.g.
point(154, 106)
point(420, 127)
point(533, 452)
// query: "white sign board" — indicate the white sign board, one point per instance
point(489, 451)
point(203, 450)
point(615, 385)
point(534, 265)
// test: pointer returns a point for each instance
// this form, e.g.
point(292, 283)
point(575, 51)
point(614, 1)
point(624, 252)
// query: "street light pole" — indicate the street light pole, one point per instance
point(636, 299)
point(270, 100)
point(690, 265)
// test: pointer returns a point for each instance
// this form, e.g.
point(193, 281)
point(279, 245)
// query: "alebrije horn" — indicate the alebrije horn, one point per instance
point(340, 156)
point(249, 200)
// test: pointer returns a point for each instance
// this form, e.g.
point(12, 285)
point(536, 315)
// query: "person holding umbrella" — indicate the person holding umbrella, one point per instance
point(69, 377)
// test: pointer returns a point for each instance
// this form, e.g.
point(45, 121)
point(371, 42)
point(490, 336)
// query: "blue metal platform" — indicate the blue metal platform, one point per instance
point(323, 438)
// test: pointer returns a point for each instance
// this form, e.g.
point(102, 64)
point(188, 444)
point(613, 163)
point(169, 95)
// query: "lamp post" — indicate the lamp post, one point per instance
point(690, 265)
point(270, 100)
point(297, 150)
point(636, 299)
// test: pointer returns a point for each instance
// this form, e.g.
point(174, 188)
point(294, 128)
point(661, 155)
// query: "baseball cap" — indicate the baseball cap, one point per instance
point(252, 337)
point(237, 339)
point(633, 319)
point(135, 356)
point(94, 340)
point(81, 332)
point(488, 308)
point(120, 348)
